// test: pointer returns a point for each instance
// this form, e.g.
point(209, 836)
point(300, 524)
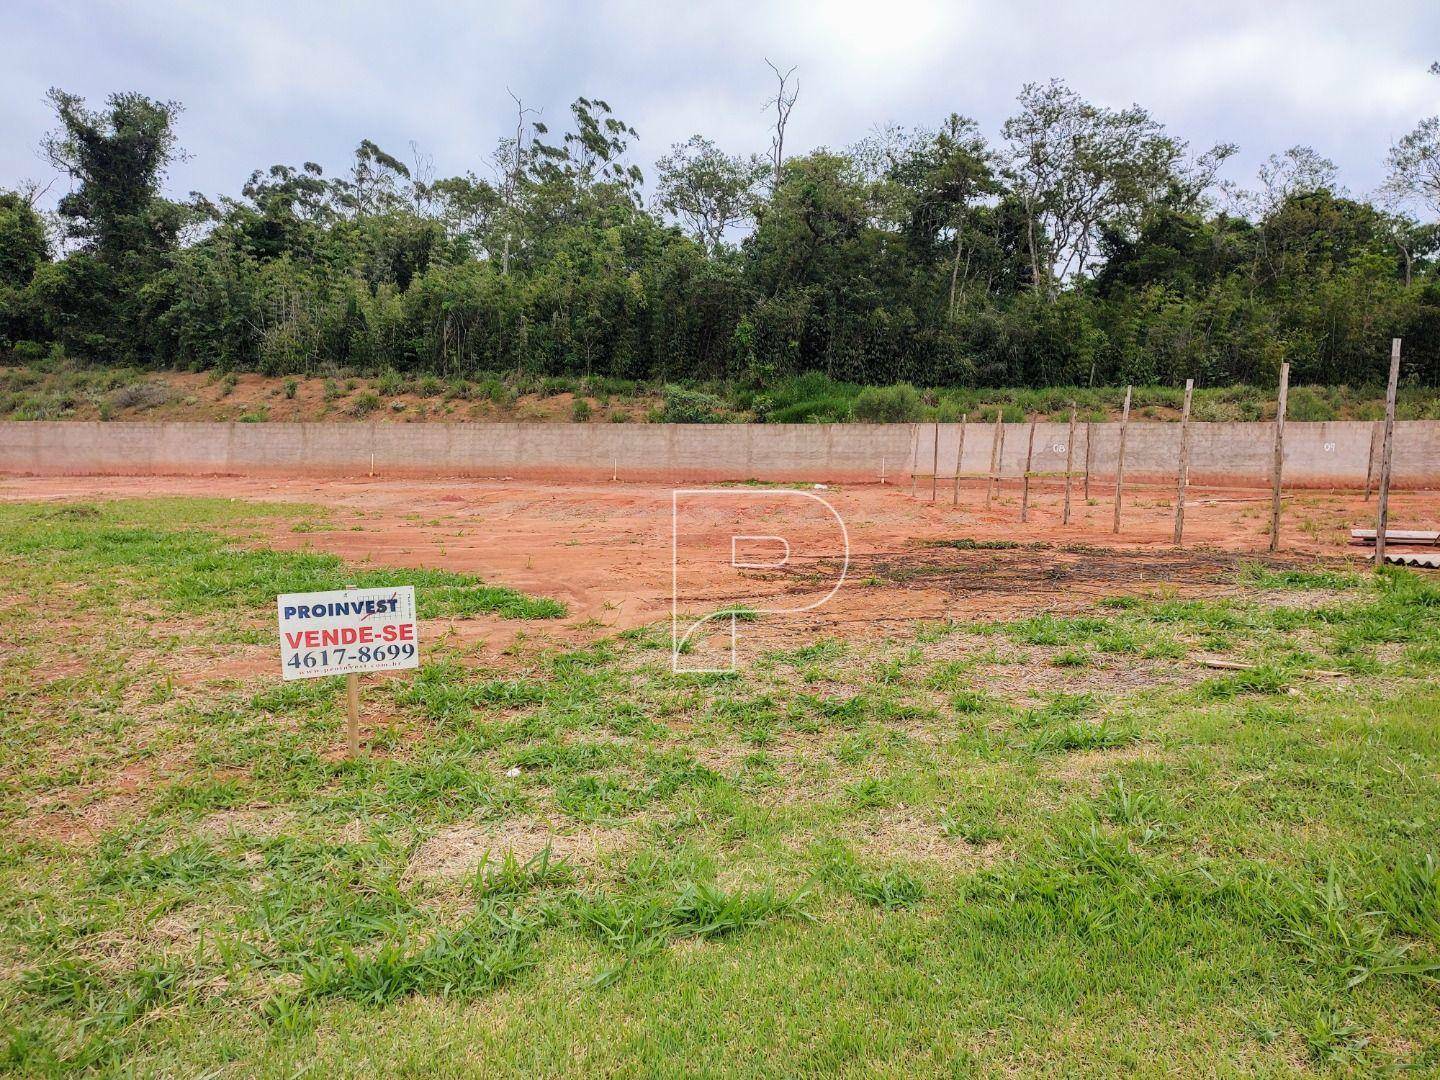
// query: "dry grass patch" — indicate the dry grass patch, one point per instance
point(904, 833)
point(457, 851)
point(262, 821)
point(1090, 768)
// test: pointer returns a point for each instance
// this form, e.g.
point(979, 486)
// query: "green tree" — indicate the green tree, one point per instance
point(24, 248)
point(708, 191)
point(125, 229)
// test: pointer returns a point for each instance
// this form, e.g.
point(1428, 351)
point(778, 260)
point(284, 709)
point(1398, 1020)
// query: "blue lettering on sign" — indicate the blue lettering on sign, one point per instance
point(342, 607)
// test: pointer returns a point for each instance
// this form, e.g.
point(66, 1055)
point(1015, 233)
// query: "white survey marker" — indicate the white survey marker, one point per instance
point(348, 631)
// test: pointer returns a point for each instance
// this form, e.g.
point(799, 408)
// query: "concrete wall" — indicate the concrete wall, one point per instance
point(1316, 454)
point(1327, 454)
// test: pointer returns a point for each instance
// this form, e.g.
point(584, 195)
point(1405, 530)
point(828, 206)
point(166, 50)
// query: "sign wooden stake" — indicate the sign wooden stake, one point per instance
point(997, 445)
point(959, 457)
point(352, 708)
point(1387, 455)
point(1278, 466)
point(1183, 473)
point(1069, 465)
point(1120, 460)
point(352, 698)
point(1025, 484)
point(935, 463)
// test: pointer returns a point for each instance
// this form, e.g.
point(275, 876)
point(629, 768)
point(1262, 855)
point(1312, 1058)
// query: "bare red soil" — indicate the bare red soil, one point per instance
point(605, 549)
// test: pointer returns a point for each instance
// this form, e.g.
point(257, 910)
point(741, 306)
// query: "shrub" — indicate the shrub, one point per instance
point(580, 410)
point(888, 404)
point(494, 389)
point(1310, 403)
point(142, 395)
point(391, 382)
point(364, 404)
point(692, 407)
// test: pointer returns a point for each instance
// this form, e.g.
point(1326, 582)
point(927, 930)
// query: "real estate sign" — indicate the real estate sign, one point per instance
point(348, 631)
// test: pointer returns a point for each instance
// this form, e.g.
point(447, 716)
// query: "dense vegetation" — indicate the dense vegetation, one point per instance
point(1084, 246)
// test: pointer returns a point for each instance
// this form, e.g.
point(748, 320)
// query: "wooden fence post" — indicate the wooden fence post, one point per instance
point(1277, 468)
point(1183, 473)
point(1120, 460)
point(1387, 455)
point(914, 455)
point(1069, 465)
point(959, 459)
point(935, 463)
point(1025, 484)
point(1370, 458)
point(997, 444)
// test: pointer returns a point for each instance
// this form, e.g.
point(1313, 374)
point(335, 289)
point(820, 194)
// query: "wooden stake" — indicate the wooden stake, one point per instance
point(1278, 466)
point(1120, 460)
point(882, 468)
point(959, 458)
point(1183, 473)
point(1087, 460)
point(1370, 457)
point(352, 698)
point(997, 443)
point(1069, 465)
point(935, 463)
point(352, 704)
point(914, 455)
point(1387, 455)
point(1025, 484)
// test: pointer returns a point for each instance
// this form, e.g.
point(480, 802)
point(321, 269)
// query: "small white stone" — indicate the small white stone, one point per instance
point(513, 771)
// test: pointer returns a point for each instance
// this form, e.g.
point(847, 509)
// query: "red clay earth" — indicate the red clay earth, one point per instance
point(605, 549)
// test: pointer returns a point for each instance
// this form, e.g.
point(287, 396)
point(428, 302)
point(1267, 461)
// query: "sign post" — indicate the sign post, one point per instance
point(352, 704)
point(347, 632)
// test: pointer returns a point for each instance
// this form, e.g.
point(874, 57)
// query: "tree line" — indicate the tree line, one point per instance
point(1080, 245)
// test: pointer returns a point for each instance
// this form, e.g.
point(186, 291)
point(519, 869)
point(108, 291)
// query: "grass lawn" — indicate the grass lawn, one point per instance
point(1049, 846)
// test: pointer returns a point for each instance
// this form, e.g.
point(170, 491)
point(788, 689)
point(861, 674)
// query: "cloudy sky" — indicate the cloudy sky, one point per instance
point(266, 82)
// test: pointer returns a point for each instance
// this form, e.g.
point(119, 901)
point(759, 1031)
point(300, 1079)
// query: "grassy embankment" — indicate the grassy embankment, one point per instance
point(66, 391)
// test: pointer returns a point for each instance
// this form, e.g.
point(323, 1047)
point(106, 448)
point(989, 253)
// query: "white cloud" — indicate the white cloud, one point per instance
point(266, 82)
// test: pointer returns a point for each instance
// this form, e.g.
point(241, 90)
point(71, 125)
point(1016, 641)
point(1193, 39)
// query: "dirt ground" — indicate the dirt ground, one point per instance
point(605, 549)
